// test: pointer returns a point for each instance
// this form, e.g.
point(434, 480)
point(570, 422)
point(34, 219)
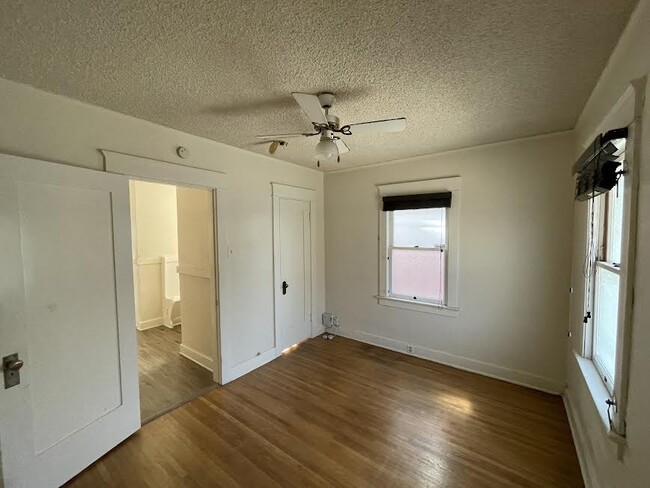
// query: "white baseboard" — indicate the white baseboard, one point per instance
point(176, 322)
point(517, 377)
point(584, 454)
point(149, 324)
point(197, 357)
point(230, 374)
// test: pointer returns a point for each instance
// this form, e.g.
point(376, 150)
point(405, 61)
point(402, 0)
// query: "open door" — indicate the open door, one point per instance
point(66, 311)
point(197, 277)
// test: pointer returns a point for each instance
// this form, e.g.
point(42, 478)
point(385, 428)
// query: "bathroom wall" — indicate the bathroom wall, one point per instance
point(155, 234)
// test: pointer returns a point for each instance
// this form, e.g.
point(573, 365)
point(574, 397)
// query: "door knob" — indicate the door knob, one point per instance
point(15, 365)
point(11, 366)
point(285, 285)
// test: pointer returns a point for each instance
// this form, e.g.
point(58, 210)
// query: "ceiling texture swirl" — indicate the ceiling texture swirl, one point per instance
point(462, 72)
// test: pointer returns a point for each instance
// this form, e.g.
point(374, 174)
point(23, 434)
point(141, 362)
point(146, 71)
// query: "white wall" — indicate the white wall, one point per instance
point(49, 127)
point(629, 61)
point(515, 217)
point(155, 231)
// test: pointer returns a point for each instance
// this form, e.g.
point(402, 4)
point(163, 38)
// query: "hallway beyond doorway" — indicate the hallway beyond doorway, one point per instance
point(167, 379)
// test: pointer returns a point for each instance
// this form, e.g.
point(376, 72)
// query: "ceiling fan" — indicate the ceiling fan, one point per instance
point(327, 126)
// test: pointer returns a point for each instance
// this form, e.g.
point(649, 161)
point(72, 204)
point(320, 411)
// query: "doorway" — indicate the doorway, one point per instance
point(173, 229)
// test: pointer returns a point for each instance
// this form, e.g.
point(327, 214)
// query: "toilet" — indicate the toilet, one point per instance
point(171, 294)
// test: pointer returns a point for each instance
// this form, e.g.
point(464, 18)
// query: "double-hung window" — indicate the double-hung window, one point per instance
point(605, 281)
point(419, 245)
point(603, 278)
point(417, 255)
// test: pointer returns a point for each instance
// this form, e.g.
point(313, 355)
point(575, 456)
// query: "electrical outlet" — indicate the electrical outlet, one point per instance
point(409, 348)
point(327, 319)
point(336, 320)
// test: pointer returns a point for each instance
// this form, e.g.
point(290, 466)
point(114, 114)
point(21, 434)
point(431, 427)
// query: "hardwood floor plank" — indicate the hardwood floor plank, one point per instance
point(342, 413)
point(167, 379)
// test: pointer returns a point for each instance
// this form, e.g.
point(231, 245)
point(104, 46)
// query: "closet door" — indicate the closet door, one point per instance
point(292, 241)
point(67, 314)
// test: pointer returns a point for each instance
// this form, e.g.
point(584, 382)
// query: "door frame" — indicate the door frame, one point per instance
point(279, 192)
point(153, 170)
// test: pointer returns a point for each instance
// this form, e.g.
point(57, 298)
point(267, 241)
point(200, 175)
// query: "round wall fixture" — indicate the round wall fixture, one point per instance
point(183, 152)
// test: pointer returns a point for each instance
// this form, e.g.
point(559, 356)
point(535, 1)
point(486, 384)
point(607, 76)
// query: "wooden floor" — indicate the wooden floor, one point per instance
point(342, 413)
point(167, 379)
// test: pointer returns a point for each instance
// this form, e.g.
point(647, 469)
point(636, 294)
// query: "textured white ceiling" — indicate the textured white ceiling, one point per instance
point(462, 72)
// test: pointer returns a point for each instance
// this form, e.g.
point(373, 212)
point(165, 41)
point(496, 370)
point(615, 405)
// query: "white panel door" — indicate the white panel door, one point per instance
point(196, 269)
point(66, 295)
point(293, 271)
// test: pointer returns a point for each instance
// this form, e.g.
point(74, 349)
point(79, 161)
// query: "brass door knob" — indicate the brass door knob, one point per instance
point(14, 365)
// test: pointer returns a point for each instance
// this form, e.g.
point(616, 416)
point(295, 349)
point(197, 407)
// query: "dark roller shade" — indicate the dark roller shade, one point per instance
point(597, 169)
point(411, 202)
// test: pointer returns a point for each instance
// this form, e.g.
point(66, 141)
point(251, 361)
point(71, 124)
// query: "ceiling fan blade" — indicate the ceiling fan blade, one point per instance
point(341, 146)
point(311, 106)
point(271, 137)
point(388, 125)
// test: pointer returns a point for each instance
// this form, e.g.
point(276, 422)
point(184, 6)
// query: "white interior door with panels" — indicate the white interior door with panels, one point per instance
point(292, 262)
point(196, 269)
point(67, 311)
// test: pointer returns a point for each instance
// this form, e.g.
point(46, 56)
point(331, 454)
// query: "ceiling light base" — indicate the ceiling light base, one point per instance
point(326, 99)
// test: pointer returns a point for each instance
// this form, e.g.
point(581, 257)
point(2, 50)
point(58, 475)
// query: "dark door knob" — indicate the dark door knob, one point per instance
point(285, 285)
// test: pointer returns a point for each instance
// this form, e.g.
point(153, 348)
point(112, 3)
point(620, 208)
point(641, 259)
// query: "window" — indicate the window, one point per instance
point(416, 254)
point(603, 278)
point(419, 246)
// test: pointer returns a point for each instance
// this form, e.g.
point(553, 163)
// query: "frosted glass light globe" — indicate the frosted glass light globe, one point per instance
point(326, 149)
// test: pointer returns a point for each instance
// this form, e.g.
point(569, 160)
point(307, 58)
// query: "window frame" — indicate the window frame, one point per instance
point(616, 390)
point(452, 222)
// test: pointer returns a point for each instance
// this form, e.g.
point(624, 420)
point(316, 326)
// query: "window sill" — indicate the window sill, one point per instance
point(418, 306)
point(599, 394)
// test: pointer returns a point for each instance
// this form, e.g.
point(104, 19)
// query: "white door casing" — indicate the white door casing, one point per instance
point(143, 168)
point(66, 295)
point(292, 264)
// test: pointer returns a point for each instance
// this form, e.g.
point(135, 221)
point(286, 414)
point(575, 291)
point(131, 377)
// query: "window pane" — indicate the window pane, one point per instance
point(615, 224)
point(423, 227)
point(418, 273)
point(606, 319)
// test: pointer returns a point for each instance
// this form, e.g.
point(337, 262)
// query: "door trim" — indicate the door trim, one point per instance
point(288, 192)
point(293, 192)
point(147, 169)
point(154, 169)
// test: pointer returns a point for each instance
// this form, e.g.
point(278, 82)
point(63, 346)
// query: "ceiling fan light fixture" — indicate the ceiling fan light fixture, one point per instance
point(326, 149)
